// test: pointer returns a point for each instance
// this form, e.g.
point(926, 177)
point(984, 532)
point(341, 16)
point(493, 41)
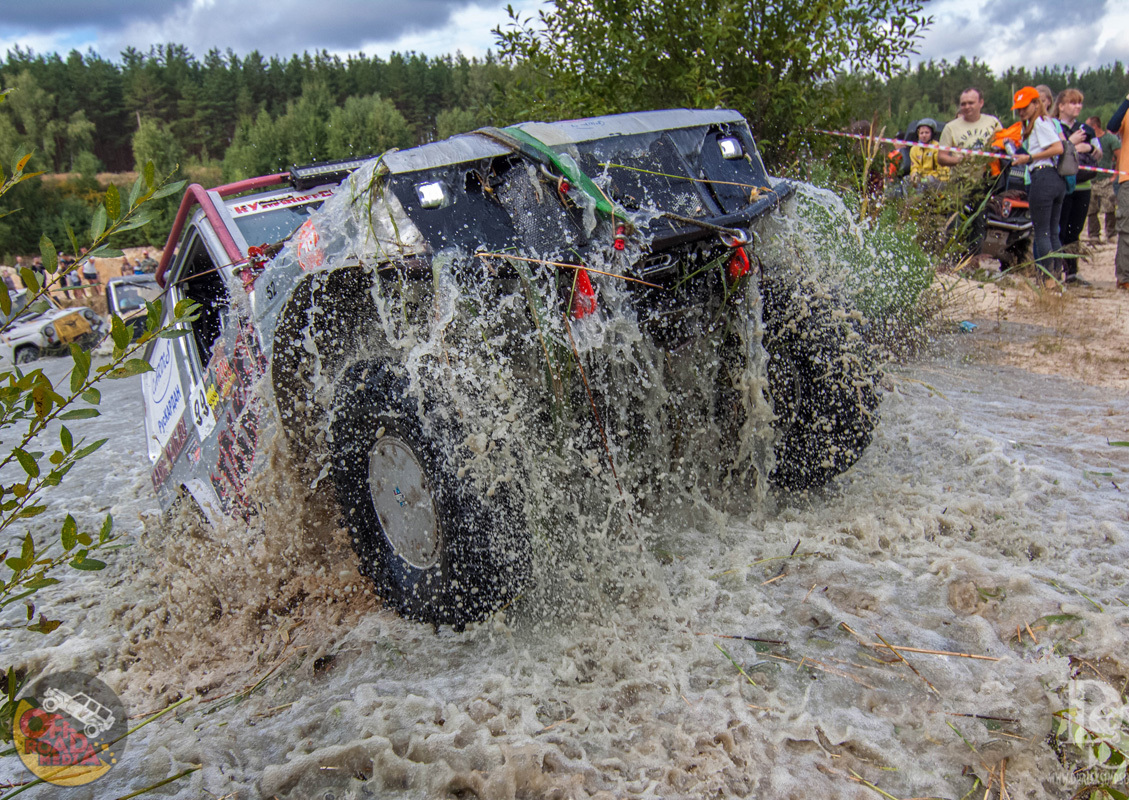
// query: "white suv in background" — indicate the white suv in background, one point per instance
point(44, 328)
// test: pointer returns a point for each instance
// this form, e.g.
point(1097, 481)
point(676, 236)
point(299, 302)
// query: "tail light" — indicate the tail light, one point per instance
point(583, 295)
point(738, 264)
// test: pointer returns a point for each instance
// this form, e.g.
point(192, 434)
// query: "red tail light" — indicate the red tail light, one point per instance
point(583, 295)
point(738, 264)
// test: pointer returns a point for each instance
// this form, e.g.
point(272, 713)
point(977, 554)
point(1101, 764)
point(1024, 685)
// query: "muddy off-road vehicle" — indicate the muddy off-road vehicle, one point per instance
point(472, 345)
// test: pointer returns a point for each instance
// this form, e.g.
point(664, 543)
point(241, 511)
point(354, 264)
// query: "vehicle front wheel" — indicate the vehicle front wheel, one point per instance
point(27, 354)
point(436, 547)
point(823, 379)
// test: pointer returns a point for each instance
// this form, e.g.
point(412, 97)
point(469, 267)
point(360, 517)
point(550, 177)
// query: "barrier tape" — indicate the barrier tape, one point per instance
point(934, 146)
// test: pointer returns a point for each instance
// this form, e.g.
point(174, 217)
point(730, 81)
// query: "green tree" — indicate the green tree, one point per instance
point(366, 126)
point(155, 142)
point(773, 61)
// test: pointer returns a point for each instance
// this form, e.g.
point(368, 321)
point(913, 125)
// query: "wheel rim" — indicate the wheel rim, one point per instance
point(25, 356)
point(403, 502)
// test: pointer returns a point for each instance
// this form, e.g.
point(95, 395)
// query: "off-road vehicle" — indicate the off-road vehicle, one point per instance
point(479, 342)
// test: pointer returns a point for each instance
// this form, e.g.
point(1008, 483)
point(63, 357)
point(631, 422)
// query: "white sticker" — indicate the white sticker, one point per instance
point(164, 397)
point(202, 414)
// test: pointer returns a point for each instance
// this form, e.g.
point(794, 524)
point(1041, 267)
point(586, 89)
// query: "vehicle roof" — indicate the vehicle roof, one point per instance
point(474, 146)
point(144, 278)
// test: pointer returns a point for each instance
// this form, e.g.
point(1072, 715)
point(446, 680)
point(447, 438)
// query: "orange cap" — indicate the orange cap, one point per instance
point(1024, 97)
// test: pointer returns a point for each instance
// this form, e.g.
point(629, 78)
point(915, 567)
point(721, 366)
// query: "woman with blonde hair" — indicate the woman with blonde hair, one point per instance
point(1045, 187)
point(1076, 204)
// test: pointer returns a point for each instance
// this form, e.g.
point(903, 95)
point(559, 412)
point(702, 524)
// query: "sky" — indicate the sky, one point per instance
point(1002, 33)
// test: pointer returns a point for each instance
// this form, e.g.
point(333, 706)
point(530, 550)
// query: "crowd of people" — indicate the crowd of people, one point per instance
point(1062, 206)
point(82, 282)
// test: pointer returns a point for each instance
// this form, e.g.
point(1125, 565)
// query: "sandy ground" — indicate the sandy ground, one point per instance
point(1082, 334)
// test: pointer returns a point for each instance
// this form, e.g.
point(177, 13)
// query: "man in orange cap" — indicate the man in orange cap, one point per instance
point(1119, 122)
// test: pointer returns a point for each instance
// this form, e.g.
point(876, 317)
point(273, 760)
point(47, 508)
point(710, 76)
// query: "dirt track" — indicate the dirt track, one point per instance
point(1082, 334)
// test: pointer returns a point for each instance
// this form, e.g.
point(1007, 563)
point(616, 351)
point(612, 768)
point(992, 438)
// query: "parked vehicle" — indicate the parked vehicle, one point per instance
point(126, 296)
point(474, 341)
point(47, 329)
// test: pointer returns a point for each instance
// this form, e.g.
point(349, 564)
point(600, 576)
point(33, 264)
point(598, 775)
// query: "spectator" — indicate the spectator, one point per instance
point(1102, 197)
point(11, 284)
point(1119, 122)
point(1045, 187)
point(1076, 204)
point(127, 268)
point(147, 264)
point(89, 272)
point(971, 129)
point(923, 162)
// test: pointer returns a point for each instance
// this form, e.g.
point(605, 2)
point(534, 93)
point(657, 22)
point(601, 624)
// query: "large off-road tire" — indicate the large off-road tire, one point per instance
point(26, 354)
point(823, 380)
point(436, 548)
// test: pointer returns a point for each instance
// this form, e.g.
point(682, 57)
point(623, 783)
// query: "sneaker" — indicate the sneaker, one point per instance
point(1074, 280)
point(1123, 287)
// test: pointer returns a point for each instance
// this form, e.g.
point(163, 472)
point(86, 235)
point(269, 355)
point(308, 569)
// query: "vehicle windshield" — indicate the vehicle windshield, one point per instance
point(274, 225)
point(19, 303)
point(128, 296)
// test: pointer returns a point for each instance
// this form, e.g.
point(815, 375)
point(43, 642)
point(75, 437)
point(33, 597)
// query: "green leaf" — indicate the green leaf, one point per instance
point(107, 527)
point(44, 625)
point(120, 333)
point(92, 396)
point(88, 564)
point(1115, 444)
point(41, 583)
point(135, 366)
point(30, 611)
point(107, 252)
point(169, 188)
point(15, 564)
point(81, 370)
point(1103, 753)
point(69, 533)
point(150, 173)
point(49, 254)
point(5, 299)
point(112, 202)
point(135, 192)
point(84, 539)
point(140, 219)
point(27, 551)
point(31, 281)
point(73, 239)
point(80, 413)
point(31, 511)
point(174, 333)
point(57, 457)
point(26, 461)
point(90, 448)
point(66, 439)
point(98, 224)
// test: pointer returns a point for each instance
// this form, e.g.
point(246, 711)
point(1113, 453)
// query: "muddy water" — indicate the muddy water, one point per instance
point(982, 508)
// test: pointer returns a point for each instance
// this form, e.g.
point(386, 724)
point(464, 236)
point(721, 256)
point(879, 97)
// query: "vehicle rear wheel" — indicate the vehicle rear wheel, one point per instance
point(27, 354)
point(823, 380)
point(436, 548)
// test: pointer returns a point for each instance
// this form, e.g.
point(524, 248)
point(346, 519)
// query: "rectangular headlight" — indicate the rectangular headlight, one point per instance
point(730, 147)
point(432, 195)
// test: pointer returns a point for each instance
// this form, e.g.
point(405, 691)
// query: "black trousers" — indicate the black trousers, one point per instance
point(1044, 195)
point(1075, 207)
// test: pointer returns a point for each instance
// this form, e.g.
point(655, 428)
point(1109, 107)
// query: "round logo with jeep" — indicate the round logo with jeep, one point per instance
point(69, 728)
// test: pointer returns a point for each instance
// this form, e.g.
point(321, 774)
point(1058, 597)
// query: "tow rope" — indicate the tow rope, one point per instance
point(933, 146)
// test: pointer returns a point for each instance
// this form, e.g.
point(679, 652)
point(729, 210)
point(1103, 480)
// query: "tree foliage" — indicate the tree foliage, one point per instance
point(773, 61)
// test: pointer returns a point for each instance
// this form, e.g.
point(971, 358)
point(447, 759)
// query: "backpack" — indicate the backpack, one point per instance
point(1068, 161)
